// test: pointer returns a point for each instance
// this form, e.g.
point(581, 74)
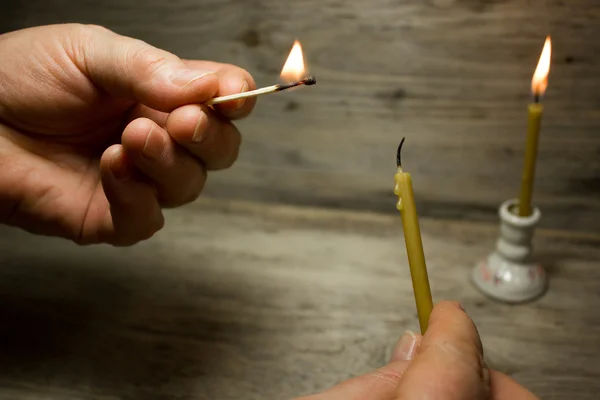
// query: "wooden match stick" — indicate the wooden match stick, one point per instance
point(266, 90)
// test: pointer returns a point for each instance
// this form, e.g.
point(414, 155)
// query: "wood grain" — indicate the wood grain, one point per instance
point(242, 301)
point(451, 75)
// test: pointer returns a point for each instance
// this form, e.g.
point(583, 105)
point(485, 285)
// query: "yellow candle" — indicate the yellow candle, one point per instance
point(414, 246)
point(533, 130)
point(539, 83)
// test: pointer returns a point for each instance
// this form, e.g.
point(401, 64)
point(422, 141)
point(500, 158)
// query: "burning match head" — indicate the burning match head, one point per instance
point(311, 80)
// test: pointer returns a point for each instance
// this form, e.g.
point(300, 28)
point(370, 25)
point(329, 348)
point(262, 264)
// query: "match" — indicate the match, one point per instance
point(310, 80)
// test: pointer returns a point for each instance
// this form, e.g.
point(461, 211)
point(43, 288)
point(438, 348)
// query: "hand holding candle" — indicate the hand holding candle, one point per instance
point(539, 83)
point(292, 72)
point(414, 246)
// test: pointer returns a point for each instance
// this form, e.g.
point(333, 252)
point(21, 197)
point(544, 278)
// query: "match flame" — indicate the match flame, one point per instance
point(539, 83)
point(293, 69)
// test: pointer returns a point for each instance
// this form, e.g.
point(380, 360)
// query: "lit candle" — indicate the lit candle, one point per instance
point(539, 83)
point(414, 246)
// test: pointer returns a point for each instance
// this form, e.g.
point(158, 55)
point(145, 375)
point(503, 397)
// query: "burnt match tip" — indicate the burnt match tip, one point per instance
point(309, 81)
point(398, 153)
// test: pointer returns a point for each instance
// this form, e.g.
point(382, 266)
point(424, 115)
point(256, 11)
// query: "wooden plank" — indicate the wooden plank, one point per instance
point(235, 300)
point(452, 76)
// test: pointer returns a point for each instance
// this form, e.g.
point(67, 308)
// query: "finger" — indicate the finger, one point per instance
point(449, 363)
point(377, 385)
point(505, 388)
point(142, 111)
point(135, 214)
point(132, 69)
point(232, 80)
point(380, 384)
point(206, 135)
point(177, 175)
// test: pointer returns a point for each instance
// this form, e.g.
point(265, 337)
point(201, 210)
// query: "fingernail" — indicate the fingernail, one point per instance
point(406, 347)
point(119, 168)
point(187, 77)
point(153, 148)
point(200, 129)
point(241, 102)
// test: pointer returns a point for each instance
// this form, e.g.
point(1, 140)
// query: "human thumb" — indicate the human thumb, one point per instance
point(450, 363)
point(379, 384)
point(134, 70)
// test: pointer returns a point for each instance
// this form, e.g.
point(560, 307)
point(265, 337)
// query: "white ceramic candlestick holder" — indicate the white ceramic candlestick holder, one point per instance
point(510, 274)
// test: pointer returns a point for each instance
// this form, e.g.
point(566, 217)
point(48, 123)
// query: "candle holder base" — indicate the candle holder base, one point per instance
point(509, 274)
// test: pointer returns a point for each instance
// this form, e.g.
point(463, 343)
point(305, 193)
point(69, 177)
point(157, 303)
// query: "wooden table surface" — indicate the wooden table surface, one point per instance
point(242, 301)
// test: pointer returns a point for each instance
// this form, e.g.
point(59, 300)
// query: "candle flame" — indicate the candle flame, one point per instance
point(293, 69)
point(539, 83)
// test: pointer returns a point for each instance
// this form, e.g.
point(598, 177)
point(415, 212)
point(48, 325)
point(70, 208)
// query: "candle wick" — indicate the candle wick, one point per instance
point(536, 98)
point(398, 154)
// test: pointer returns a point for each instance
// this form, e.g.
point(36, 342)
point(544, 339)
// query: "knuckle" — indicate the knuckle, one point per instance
point(388, 374)
point(89, 33)
point(140, 127)
point(462, 353)
point(94, 28)
point(142, 123)
point(148, 61)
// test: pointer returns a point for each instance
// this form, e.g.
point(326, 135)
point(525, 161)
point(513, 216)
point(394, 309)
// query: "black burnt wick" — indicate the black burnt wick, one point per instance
point(398, 154)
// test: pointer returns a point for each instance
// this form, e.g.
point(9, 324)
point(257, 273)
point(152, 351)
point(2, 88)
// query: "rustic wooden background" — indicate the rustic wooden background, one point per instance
point(453, 76)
